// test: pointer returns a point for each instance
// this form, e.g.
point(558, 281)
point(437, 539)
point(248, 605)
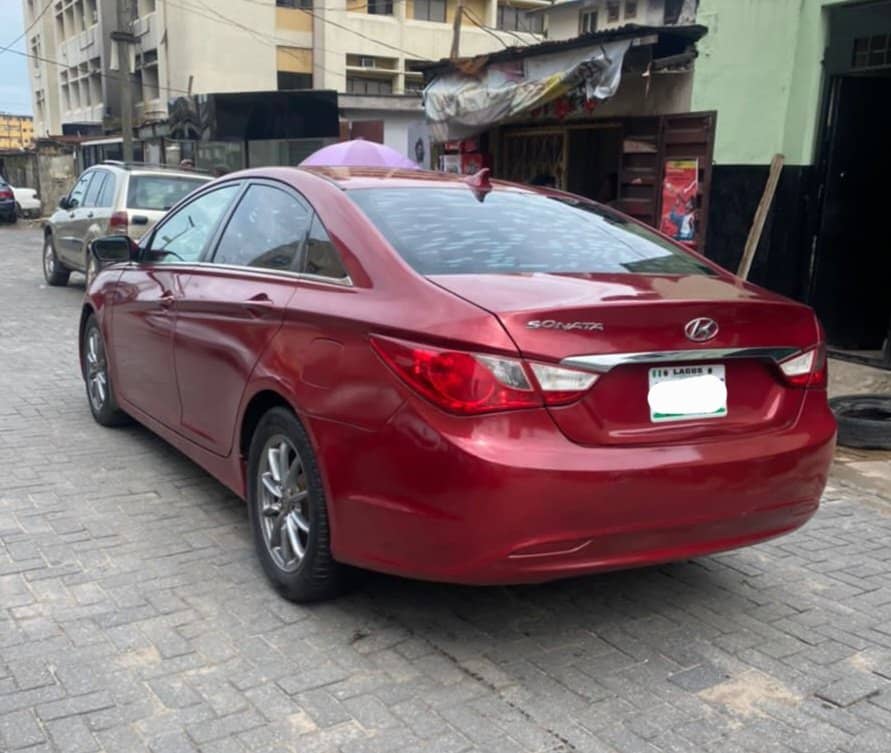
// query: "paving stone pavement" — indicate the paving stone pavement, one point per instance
point(134, 616)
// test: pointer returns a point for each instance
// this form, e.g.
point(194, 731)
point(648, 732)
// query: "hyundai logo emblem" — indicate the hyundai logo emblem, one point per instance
point(701, 329)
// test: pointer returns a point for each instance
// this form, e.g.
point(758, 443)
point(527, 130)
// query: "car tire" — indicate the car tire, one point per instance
point(94, 367)
point(53, 271)
point(288, 511)
point(864, 421)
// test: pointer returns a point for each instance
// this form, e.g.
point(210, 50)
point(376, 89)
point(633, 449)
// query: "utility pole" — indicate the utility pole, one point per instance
point(123, 37)
point(456, 30)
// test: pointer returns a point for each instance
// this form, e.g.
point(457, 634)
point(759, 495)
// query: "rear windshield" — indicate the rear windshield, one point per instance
point(451, 231)
point(159, 192)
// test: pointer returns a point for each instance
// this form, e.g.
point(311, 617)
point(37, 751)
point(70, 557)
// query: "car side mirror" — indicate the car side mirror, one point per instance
point(63, 203)
point(114, 248)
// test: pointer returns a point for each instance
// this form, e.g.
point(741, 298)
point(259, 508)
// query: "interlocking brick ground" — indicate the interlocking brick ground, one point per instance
point(134, 616)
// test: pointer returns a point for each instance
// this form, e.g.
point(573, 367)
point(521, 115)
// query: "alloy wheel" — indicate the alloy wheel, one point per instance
point(97, 376)
point(49, 258)
point(284, 502)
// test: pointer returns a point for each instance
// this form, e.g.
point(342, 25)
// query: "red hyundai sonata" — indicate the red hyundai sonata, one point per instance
point(458, 380)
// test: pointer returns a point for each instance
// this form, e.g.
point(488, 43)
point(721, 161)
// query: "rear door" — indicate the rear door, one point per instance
point(231, 308)
point(97, 207)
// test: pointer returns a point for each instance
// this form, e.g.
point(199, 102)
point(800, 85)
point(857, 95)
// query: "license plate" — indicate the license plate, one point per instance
point(684, 393)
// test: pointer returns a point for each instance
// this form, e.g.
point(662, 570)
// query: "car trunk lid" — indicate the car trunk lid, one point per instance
point(596, 321)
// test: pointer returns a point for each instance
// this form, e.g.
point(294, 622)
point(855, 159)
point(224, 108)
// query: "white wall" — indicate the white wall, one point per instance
point(563, 22)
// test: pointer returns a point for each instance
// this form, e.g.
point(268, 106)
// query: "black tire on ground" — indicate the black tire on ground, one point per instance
point(94, 368)
point(53, 271)
point(864, 421)
point(315, 575)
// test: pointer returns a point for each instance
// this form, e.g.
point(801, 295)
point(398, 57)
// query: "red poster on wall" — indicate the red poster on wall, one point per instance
point(679, 188)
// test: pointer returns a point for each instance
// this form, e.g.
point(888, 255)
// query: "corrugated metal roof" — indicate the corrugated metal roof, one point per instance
point(689, 34)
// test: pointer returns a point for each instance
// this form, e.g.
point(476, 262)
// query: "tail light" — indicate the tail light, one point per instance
point(807, 369)
point(119, 221)
point(560, 386)
point(5, 193)
point(472, 383)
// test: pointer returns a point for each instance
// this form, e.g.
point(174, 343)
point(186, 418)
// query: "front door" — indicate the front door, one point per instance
point(231, 309)
point(145, 313)
point(69, 223)
point(852, 271)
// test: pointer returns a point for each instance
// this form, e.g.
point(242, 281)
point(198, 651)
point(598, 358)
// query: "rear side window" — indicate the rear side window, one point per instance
point(159, 192)
point(266, 230)
point(451, 231)
point(91, 198)
point(106, 195)
point(322, 259)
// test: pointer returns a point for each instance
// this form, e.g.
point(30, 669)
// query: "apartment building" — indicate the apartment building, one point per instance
point(568, 18)
point(361, 48)
point(16, 131)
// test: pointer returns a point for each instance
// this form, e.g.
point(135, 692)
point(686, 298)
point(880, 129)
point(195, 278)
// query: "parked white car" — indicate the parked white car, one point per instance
point(27, 203)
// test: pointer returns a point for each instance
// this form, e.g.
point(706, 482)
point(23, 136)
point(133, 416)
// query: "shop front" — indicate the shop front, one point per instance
point(619, 131)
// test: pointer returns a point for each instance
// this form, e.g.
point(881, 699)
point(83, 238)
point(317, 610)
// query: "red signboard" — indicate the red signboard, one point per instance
point(679, 188)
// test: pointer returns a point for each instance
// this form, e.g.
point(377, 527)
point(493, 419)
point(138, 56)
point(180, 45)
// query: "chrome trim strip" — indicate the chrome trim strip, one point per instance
point(341, 282)
point(601, 364)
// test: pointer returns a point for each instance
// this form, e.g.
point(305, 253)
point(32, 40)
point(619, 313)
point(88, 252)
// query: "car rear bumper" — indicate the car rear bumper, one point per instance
point(508, 499)
point(7, 208)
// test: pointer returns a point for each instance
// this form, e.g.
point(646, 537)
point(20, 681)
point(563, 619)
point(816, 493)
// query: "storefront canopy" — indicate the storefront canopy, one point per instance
point(467, 96)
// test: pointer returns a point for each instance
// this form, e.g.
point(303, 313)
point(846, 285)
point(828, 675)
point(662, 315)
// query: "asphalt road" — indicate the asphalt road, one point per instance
point(134, 616)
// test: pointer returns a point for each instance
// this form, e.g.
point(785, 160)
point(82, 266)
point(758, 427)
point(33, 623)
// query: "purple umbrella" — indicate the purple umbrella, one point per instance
point(358, 153)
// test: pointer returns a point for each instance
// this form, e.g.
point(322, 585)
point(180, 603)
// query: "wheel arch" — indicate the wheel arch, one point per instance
point(262, 401)
point(86, 311)
point(259, 404)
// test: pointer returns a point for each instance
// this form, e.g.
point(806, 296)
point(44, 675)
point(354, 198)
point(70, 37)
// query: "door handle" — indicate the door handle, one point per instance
point(90, 216)
point(258, 305)
point(166, 300)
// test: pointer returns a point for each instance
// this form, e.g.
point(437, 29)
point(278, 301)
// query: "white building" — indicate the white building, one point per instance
point(569, 18)
point(366, 49)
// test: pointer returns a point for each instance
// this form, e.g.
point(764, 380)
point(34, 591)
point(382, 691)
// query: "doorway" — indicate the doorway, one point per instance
point(850, 266)
point(851, 283)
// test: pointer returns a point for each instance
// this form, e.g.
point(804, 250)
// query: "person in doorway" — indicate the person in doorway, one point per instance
point(544, 179)
point(186, 164)
point(420, 153)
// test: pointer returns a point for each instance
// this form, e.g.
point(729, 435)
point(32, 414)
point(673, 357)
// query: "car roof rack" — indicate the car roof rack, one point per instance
point(154, 165)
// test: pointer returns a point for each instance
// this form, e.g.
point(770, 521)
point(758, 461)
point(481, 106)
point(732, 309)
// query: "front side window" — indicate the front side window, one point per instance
point(322, 258)
point(184, 234)
point(266, 230)
point(76, 197)
point(450, 231)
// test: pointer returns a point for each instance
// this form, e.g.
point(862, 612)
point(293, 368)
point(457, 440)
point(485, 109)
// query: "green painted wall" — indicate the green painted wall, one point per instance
point(760, 68)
